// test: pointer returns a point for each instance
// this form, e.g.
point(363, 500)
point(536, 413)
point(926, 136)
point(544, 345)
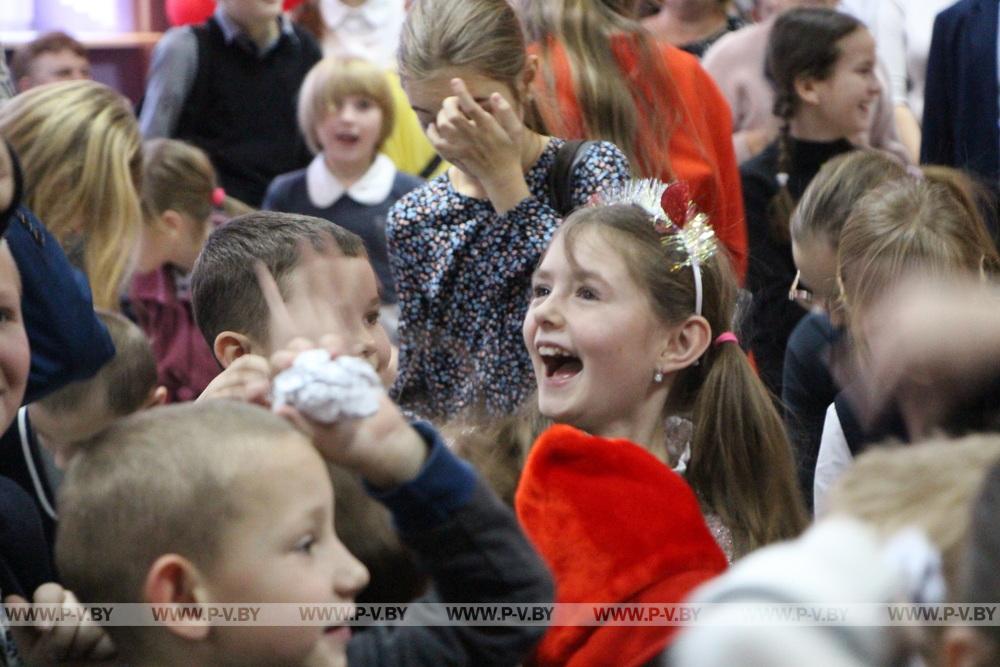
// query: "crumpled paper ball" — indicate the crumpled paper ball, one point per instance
point(328, 390)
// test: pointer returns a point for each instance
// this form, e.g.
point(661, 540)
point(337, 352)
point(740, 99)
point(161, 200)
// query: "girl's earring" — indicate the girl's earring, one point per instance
point(658, 377)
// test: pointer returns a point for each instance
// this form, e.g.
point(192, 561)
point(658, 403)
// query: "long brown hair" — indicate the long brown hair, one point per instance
point(612, 102)
point(741, 463)
point(803, 43)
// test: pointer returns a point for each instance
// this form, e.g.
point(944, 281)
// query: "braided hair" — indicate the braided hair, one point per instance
point(804, 43)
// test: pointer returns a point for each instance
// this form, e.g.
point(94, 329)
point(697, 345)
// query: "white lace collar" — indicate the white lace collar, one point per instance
point(324, 189)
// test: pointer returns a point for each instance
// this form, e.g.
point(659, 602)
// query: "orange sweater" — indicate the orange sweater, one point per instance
point(700, 150)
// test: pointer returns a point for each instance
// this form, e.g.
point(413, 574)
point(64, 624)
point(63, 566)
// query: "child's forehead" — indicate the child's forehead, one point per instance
point(283, 482)
point(351, 276)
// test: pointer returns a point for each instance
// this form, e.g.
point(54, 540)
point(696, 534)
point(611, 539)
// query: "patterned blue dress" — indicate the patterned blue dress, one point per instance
point(463, 277)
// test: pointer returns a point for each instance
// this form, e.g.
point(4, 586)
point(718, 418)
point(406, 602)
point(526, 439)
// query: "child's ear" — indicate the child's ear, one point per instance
point(174, 580)
point(171, 222)
point(684, 344)
point(806, 89)
point(530, 72)
point(230, 346)
point(156, 398)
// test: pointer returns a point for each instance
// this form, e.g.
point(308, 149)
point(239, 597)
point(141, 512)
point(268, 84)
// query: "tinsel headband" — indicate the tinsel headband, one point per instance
point(676, 218)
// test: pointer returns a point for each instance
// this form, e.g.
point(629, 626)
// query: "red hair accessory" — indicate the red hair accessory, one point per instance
point(218, 197)
point(726, 337)
point(675, 202)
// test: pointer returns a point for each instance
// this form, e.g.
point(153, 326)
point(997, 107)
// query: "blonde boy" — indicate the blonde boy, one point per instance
point(222, 502)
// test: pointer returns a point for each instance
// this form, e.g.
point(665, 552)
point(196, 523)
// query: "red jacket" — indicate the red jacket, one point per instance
point(700, 150)
point(614, 525)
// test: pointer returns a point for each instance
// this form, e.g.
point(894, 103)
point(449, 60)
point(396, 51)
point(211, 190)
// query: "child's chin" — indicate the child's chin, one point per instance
point(329, 651)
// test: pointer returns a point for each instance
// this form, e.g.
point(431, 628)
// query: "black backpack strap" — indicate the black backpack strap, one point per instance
point(560, 181)
point(431, 167)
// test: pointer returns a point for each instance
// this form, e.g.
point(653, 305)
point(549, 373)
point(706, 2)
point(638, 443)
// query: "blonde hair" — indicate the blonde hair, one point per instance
point(836, 188)
point(483, 35)
point(612, 102)
point(804, 42)
point(930, 485)
point(329, 82)
point(741, 464)
point(176, 176)
point(80, 150)
point(160, 481)
point(929, 224)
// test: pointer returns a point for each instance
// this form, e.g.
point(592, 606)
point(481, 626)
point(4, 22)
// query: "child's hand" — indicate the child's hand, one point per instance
point(486, 145)
point(44, 644)
point(247, 379)
point(317, 307)
point(383, 448)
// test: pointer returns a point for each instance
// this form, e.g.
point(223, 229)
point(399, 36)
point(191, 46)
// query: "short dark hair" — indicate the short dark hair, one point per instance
point(50, 42)
point(224, 290)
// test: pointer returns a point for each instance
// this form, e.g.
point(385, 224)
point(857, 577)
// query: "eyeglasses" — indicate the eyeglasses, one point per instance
point(810, 301)
point(800, 295)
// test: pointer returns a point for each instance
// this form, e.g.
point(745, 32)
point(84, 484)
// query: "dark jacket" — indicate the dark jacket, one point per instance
point(960, 100)
point(67, 340)
point(807, 390)
point(471, 545)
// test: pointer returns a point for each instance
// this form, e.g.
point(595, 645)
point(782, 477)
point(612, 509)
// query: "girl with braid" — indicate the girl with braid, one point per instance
point(822, 66)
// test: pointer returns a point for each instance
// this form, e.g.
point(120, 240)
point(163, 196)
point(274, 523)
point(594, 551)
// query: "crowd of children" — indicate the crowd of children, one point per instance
point(616, 327)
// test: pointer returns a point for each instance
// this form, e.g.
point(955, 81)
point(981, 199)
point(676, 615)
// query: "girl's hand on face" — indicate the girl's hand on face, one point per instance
point(485, 144)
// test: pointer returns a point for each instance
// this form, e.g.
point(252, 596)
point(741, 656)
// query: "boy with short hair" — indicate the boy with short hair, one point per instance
point(233, 314)
point(54, 56)
point(230, 307)
point(219, 502)
point(229, 87)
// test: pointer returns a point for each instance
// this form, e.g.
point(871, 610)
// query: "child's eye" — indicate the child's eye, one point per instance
point(371, 318)
point(539, 291)
point(587, 293)
point(7, 315)
point(306, 544)
point(364, 104)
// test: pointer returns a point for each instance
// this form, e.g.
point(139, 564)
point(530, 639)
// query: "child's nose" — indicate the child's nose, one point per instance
point(548, 314)
point(348, 112)
point(350, 574)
